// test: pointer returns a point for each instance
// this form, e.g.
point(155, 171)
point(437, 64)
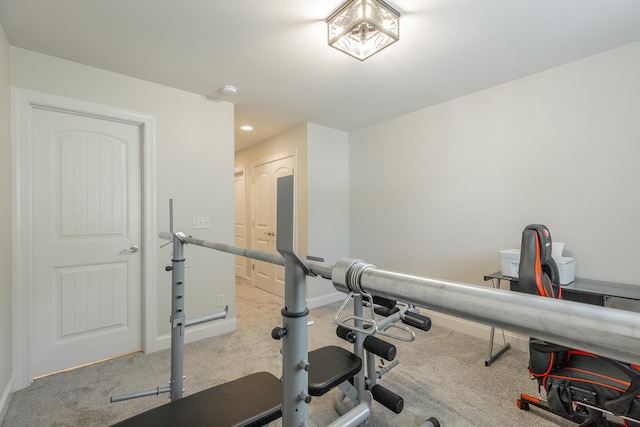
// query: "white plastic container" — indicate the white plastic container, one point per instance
point(509, 262)
point(567, 269)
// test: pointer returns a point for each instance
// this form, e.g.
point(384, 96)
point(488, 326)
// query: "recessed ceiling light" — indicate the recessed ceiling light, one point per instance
point(246, 127)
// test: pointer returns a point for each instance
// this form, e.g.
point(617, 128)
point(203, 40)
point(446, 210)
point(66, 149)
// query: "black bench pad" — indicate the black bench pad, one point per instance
point(330, 366)
point(254, 400)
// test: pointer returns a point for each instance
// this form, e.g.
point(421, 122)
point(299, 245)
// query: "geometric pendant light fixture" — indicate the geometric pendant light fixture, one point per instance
point(362, 28)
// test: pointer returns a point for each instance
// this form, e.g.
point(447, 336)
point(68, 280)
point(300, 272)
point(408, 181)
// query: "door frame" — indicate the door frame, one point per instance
point(23, 103)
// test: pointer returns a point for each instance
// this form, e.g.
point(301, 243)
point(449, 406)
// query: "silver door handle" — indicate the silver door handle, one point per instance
point(132, 250)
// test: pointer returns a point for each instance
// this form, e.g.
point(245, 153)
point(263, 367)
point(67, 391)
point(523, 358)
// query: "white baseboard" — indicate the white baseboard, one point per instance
point(325, 299)
point(199, 332)
point(478, 330)
point(5, 399)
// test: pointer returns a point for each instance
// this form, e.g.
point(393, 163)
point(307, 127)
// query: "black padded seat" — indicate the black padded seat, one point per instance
point(254, 400)
point(330, 366)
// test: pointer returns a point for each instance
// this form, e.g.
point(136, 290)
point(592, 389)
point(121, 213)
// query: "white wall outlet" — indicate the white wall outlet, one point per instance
point(201, 222)
point(220, 300)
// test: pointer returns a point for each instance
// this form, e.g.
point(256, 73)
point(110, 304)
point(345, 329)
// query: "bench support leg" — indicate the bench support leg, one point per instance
point(295, 345)
point(354, 417)
point(176, 384)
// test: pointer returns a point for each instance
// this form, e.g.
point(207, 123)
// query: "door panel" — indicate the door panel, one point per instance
point(91, 298)
point(86, 215)
point(267, 276)
point(262, 226)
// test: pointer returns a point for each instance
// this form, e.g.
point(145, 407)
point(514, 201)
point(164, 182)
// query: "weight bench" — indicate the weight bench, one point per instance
point(251, 401)
point(330, 367)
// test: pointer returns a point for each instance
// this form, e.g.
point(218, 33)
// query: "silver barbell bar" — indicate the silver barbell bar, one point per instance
point(602, 330)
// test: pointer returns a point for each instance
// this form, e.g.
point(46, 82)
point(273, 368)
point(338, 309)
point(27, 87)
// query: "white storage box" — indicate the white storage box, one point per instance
point(509, 262)
point(566, 268)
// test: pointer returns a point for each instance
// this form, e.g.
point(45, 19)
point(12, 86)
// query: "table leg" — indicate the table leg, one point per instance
point(490, 356)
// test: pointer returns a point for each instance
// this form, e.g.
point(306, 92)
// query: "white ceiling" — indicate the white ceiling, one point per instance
point(275, 51)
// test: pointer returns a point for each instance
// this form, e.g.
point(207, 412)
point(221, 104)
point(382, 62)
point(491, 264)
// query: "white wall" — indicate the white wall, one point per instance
point(6, 347)
point(194, 163)
point(439, 191)
point(328, 189)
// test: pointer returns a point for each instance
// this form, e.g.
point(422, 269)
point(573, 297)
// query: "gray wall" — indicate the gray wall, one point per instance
point(439, 191)
point(6, 347)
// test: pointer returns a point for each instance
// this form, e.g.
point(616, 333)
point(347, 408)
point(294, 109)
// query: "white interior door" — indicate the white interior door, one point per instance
point(87, 222)
point(267, 276)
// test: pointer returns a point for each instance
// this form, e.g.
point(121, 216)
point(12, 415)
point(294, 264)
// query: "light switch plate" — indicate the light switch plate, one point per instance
point(201, 222)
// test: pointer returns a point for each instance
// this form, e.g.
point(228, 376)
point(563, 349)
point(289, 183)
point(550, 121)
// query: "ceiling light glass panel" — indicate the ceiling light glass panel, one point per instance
point(361, 28)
